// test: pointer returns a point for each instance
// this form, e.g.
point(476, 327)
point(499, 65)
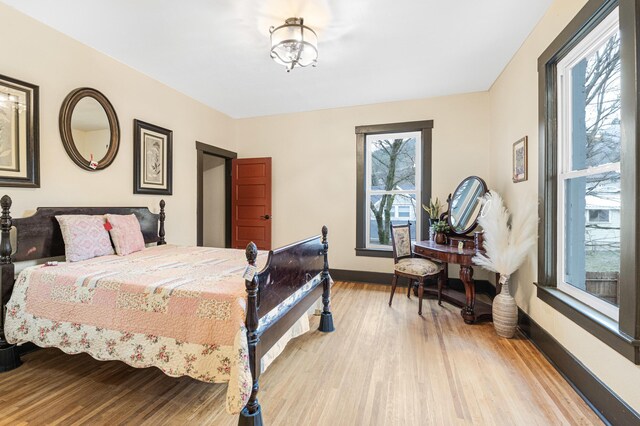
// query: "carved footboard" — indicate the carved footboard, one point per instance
point(300, 267)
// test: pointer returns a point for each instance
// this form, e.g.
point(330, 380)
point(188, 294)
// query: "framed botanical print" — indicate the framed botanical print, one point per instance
point(152, 159)
point(520, 166)
point(19, 134)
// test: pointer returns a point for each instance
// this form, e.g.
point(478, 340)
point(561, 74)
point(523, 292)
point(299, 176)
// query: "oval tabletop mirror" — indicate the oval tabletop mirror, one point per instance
point(464, 205)
point(89, 129)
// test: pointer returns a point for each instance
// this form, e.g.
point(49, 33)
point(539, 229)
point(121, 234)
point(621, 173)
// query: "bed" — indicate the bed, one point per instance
point(212, 314)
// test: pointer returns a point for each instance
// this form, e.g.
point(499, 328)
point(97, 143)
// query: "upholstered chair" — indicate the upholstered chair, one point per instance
point(411, 267)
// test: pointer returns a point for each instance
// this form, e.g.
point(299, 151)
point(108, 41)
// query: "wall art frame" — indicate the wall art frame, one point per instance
point(520, 171)
point(152, 159)
point(19, 134)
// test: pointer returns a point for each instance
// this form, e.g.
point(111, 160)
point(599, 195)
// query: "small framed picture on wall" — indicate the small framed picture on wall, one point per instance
point(152, 159)
point(520, 160)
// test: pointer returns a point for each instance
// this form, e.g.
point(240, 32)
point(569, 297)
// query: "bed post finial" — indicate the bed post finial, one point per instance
point(252, 253)
point(9, 357)
point(5, 228)
point(161, 240)
point(251, 414)
point(326, 319)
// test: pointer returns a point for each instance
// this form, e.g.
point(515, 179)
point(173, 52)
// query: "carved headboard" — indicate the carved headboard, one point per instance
point(38, 236)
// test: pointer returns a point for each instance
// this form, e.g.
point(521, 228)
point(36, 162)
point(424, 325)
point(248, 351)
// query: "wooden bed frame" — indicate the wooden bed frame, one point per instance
point(287, 270)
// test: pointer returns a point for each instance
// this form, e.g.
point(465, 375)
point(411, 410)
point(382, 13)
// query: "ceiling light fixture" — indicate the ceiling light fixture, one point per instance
point(294, 44)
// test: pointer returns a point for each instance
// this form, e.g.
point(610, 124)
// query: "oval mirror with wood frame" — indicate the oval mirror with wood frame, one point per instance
point(464, 205)
point(89, 129)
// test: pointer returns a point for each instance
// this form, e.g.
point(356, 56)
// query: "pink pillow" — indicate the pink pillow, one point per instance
point(125, 233)
point(84, 237)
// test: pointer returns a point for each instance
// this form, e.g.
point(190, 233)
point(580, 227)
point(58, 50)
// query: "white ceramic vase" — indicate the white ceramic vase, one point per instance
point(505, 311)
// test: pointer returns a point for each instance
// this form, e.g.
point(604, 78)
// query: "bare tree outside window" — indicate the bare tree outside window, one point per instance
point(392, 185)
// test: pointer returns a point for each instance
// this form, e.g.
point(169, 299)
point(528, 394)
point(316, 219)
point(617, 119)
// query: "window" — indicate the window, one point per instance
point(588, 243)
point(393, 164)
point(404, 212)
point(588, 102)
point(393, 184)
point(601, 216)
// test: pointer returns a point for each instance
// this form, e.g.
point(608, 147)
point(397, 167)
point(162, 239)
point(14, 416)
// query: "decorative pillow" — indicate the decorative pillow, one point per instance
point(84, 237)
point(125, 233)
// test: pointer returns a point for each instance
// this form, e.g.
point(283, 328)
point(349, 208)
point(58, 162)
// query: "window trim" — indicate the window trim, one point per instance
point(362, 214)
point(625, 337)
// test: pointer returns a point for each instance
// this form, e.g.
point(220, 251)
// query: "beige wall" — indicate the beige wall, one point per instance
point(314, 163)
point(514, 113)
point(37, 54)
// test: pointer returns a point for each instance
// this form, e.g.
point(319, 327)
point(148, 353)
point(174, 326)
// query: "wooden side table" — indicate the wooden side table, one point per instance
point(472, 310)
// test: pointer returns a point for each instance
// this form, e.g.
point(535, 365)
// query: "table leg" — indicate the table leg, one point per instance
point(466, 275)
point(420, 295)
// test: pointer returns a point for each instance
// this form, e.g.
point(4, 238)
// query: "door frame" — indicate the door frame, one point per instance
point(202, 150)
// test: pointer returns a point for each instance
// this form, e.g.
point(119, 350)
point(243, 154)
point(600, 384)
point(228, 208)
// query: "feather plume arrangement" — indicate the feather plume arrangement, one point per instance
point(508, 239)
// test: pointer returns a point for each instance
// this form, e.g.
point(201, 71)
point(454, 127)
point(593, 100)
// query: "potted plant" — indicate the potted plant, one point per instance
point(441, 227)
point(433, 210)
point(508, 239)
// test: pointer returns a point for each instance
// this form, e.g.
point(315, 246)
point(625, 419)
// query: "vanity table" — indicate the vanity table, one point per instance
point(472, 310)
point(461, 215)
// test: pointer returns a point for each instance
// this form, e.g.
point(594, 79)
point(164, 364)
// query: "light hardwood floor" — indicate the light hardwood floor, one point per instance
point(382, 366)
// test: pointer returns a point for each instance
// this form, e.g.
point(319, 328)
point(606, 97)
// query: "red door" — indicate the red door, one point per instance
point(251, 202)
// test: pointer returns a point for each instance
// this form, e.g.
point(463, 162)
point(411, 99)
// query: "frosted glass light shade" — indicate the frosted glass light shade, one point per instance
point(294, 44)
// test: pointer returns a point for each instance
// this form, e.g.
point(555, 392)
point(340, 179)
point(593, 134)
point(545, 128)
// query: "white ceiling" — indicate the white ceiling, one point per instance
point(370, 51)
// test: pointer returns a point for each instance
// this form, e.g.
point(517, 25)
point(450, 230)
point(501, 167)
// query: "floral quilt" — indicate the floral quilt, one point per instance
point(181, 309)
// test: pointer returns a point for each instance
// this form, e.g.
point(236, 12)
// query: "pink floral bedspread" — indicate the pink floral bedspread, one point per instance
point(181, 309)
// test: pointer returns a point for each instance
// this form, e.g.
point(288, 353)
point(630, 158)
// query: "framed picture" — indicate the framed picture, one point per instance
point(520, 166)
point(152, 159)
point(19, 134)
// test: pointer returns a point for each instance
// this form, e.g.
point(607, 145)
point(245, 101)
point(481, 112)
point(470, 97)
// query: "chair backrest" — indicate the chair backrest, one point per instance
point(401, 241)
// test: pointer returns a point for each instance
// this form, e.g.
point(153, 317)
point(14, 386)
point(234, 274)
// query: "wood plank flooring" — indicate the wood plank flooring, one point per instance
point(382, 366)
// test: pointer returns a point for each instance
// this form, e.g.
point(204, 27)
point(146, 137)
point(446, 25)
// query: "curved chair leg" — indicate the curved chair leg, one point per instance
point(420, 294)
point(409, 285)
point(394, 283)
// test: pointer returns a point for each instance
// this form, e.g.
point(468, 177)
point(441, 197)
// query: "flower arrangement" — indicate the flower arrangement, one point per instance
point(441, 226)
point(508, 239)
point(433, 209)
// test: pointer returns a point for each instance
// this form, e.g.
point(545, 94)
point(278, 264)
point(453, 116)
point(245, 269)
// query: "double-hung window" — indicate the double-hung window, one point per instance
point(588, 100)
point(393, 185)
point(394, 179)
point(589, 163)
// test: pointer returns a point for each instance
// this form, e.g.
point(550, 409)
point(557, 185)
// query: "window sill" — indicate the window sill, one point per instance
point(596, 323)
point(374, 252)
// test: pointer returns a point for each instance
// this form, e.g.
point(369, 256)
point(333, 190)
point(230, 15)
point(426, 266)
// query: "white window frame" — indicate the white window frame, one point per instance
point(591, 43)
point(370, 192)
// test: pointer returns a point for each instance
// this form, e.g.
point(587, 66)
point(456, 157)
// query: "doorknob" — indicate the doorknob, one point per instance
point(266, 216)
